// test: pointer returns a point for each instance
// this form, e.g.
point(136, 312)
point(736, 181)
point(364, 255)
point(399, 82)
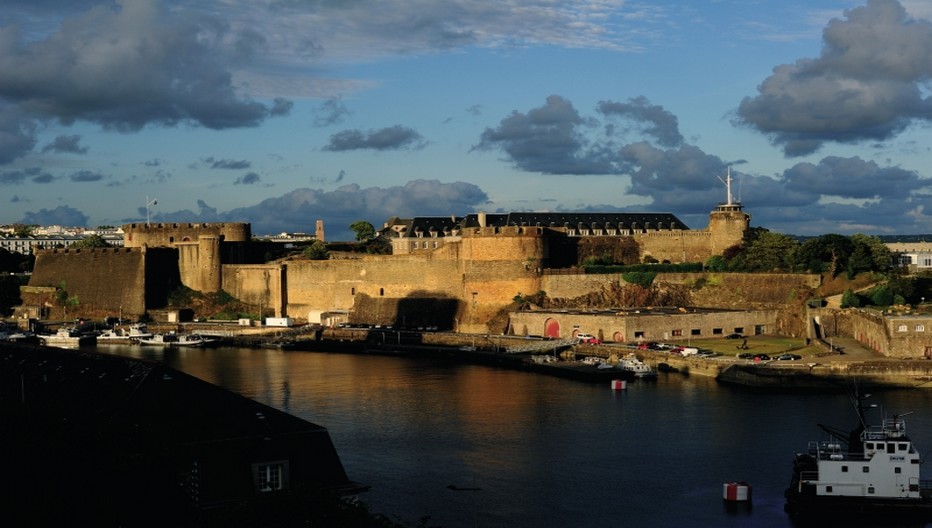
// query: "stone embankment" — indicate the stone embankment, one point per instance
point(830, 371)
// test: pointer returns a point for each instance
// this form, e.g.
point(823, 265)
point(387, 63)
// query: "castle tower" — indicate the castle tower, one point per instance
point(319, 233)
point(728, 222)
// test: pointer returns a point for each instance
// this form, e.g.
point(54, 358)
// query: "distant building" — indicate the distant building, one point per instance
point(917, 256)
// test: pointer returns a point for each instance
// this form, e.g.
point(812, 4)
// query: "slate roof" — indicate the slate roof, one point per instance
point(444, 225)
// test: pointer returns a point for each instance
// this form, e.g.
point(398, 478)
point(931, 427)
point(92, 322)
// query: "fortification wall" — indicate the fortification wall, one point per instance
point(168, 234)
point(259, 285)
point(676, 246)
point(100, 280)
point(680, 328)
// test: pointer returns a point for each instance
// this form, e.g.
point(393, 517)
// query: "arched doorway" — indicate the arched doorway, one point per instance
point(618, 337)
point(551, 328)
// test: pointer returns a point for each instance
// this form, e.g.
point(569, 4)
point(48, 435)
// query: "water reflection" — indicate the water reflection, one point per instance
point(544, 451)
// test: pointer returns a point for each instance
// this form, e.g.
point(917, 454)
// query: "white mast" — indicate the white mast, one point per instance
point(729, 200)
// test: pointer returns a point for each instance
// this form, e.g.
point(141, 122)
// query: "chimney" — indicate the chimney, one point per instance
point(481, 219)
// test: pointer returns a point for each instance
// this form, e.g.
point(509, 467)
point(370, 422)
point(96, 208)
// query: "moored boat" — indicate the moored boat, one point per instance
point(68, 338)
point(640, 369)
point(871, 472)
point(132, 333)
point(159, 340)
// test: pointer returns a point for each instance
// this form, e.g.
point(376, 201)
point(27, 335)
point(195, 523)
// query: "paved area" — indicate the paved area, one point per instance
point(852, 351)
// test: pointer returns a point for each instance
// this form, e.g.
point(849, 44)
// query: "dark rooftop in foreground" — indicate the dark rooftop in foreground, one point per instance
point(111, 440)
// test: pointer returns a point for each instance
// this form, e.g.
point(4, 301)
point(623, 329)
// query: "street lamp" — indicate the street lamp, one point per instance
point(149, 203)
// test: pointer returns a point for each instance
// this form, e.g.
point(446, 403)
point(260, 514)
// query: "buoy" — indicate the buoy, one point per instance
point(619, 384)
point(737, 492)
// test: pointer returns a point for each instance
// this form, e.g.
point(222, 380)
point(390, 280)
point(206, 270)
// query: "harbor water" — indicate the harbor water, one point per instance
point(453, 445)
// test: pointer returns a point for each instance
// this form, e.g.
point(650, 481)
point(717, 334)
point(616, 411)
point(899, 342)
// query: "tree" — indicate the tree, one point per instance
point(829, 252)
point(879, 254)
point(770, 251)
point(364, 230)
point(317, 250)
point(849, 299)
point(93, 241)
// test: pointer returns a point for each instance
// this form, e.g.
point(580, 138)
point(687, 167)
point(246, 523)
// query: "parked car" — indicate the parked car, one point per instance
point(588, 339)
point(734, 336)
point(788, 357)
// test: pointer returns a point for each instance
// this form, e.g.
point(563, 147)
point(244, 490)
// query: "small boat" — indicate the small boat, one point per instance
point(67, 338)
point(190, 340)
point(869, 473)
point(133, 333)
point(640, 369)
point(159, 339)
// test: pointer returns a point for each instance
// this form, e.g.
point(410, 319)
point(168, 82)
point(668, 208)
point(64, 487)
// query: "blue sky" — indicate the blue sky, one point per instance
point(282, 112)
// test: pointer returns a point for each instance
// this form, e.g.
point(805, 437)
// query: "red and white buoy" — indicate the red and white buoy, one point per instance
point(619, 384)
point(737, 492)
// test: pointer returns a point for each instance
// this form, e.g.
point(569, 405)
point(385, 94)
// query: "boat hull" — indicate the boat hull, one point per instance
point(821, 509)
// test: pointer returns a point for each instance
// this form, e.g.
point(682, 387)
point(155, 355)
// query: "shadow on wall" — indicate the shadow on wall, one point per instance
point(419, 310)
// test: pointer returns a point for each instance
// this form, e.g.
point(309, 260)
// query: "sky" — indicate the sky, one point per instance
point(283, 112)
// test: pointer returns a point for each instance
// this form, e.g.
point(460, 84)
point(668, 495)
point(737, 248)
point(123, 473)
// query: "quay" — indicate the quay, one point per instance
point(846, 362)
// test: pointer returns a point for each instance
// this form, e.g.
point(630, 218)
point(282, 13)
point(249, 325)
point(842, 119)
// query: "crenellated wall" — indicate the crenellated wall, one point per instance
point(168, 234)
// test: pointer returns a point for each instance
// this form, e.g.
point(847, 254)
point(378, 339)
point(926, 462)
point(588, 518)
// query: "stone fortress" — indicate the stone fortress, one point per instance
point(454, 273)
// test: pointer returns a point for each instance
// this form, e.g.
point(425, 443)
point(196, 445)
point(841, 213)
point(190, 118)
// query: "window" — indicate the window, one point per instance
point(902, 447)
point(897, 470)
point(866, 469)
point(381, 292)
point(695, 331)
point(844, 469)
point(901, 328)
point(870, 489)
point(677, 332)
point(270, 476)
point(828, 489)
point(920, 328)
point(717, 331)
point(638, 335)
point(352, 291)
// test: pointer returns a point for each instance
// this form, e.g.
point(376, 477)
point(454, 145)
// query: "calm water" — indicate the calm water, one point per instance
point(542, 451)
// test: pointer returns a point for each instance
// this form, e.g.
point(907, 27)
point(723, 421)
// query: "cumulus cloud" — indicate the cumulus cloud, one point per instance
point(869, 83)
point(66, 144)
point(297, 210)
point(227, 164)
point(652, 120)
point(61, 215)
point(172, 69)
point(250, 178)
point(391, 138)
point(16, 177)
point(330, 112)
point(17, 132)
point(85, 176)
point(550, 139)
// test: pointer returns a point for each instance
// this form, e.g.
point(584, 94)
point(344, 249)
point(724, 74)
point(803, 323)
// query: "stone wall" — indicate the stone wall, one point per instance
point(111, 280)
point(899, 336)
point(647, 325)
point(260, 285)
point(168, 234)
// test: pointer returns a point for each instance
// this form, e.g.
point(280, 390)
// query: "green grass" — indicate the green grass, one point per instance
point(770, 345)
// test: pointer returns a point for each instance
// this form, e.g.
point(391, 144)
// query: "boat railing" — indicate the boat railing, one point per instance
point(891, 428)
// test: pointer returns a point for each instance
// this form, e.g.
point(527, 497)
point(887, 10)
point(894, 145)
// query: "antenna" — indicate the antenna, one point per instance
point(148, 203)
point(727, 181)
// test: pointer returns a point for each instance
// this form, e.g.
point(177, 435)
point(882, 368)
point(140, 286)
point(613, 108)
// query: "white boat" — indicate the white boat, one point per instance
point(67, 338)
point(159, 340)
point(632, 364)
point(133, 333)
point(871, 473)
point(189, 340)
